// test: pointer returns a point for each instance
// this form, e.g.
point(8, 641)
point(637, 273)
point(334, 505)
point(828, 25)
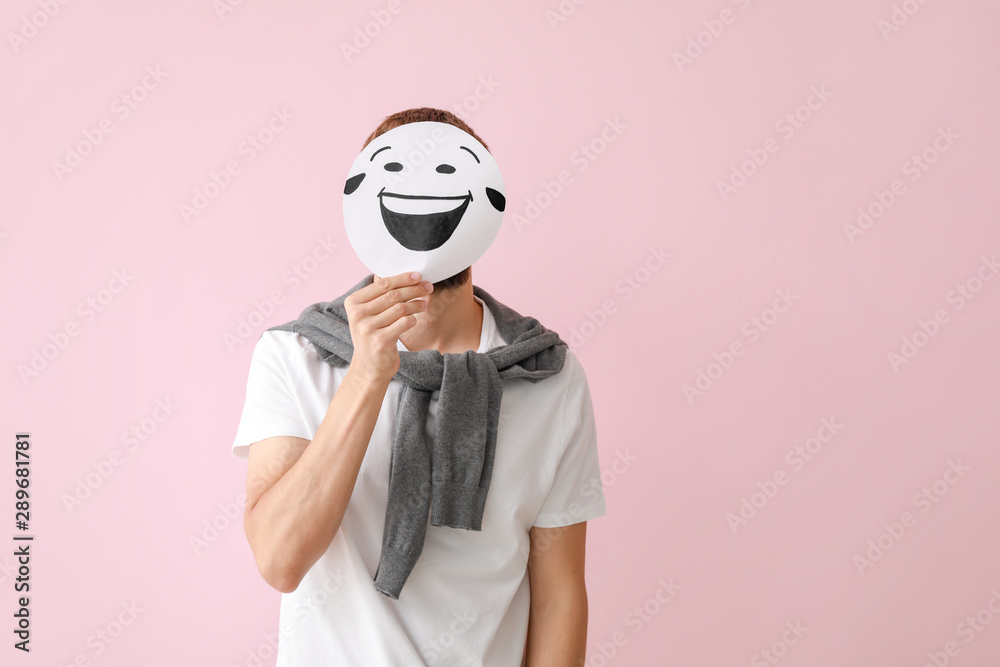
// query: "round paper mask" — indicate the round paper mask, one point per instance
point(423, 197)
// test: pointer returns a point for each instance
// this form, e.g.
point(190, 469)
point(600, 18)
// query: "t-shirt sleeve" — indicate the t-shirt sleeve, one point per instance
point(271, 408)
point(576, 494)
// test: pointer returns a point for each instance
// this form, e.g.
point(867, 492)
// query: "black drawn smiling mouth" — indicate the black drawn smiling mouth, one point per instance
point(422, 222)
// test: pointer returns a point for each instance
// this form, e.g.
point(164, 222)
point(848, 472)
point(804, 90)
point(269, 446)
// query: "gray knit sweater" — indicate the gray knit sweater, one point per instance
point(449, 480)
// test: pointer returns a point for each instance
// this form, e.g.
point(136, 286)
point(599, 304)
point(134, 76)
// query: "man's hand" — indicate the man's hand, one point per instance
point(378, 314)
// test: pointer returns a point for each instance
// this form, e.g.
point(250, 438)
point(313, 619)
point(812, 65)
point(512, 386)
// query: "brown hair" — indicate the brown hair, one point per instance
point(439, 115)
point(418, 115)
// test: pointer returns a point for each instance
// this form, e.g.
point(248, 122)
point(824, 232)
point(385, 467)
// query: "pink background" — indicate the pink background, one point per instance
point(538, 92)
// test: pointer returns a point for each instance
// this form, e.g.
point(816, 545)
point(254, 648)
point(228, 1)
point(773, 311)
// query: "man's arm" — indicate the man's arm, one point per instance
point(557, 622)
point(297, 490)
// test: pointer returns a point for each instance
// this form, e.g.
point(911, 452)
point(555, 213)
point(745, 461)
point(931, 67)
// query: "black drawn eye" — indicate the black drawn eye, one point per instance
point(497, 199)
point(445, 169)
point(353, 182)
point(393, 166)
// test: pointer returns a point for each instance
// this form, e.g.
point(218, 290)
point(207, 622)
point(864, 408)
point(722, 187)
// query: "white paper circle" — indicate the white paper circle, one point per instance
point(423, 197)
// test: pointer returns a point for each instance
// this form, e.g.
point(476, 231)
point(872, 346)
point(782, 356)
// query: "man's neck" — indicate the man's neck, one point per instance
point(453, 322)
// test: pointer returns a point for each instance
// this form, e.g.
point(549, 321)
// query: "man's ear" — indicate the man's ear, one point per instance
point(353, 182)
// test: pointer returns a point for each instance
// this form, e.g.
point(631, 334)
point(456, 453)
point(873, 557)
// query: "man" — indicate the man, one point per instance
point(318, 439)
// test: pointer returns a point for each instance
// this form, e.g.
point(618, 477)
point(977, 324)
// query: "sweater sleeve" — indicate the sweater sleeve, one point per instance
point(576, 494)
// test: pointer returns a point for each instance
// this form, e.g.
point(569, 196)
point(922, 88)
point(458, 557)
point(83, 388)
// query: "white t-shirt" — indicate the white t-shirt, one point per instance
point(466, 600)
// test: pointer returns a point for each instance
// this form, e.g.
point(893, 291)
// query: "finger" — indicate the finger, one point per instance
point(400, 295)
point(389, 299)
point(397, 328)
point(381, 285)
point(399, 310)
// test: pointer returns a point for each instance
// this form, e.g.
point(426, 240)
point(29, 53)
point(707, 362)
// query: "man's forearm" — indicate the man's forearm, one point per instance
point(294, 521)
point(557, 628)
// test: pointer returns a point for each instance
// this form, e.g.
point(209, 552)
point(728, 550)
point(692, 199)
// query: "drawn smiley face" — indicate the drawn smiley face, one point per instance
point(423, 197)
